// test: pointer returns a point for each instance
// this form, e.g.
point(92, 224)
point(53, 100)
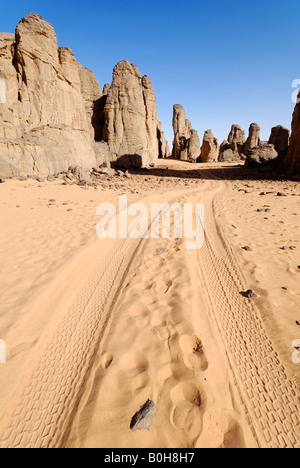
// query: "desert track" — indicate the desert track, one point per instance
point(44, 409)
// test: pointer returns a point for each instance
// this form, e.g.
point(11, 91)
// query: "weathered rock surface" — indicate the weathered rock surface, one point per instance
point(194, 145)
point(236, 136)
point(45, 107)
point(280, 137)
point(186, 144)
point(130, 112)
point(210, 148)
point(261, 154)
point(53, 114)
point(231, 149)
point(253, 138)
point(163, 146)
point(181, 129)
point(91, 92)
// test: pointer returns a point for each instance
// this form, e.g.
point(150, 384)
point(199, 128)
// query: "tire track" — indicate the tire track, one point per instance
point(268, 395)
point(43, 410)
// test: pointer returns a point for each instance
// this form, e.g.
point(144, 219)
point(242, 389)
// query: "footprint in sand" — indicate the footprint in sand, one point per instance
point(188, 408)
point(193, 353)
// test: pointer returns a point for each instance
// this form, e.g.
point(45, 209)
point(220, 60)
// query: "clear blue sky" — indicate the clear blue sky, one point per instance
point(224, 61)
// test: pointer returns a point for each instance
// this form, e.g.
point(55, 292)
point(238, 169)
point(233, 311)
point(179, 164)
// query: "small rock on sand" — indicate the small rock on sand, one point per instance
point(143, 419)
point(281, 194)
point(250, 294)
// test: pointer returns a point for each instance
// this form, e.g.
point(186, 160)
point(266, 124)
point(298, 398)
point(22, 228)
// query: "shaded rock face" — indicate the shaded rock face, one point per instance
point(253, 138)
point(231, 149)
point(280, 138)
point(163, 146)
point(210, 148)
point(262, 154)
point(291, 163)
point(46, 103)
point(186, 144)
point(130, 118)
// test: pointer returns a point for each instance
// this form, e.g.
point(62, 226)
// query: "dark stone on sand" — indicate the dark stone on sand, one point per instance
point(143, 419)
point(250, 294)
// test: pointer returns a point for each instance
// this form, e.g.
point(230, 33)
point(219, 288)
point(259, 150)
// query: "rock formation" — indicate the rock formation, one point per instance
point(253, 138)
point(236, 136)
point(210, 148)
point(231, 149)
point(291, 163)
point(186, 144)
point(45, 109)
point(261, 154)
point(280, 137)
point(163, 146)
point(130, 115)
point(194, 145)
point(53, 115)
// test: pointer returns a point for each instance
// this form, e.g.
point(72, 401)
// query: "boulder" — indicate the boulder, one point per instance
point(262, 154)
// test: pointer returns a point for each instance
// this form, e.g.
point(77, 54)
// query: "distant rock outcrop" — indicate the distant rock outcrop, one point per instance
point(253, 138)
point(130, 113)
point(280, 137)
point(186, 144)
point(231, 149)
point(210, 148)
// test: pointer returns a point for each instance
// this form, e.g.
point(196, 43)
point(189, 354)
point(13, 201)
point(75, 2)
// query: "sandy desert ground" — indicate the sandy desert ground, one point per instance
point(94, 328)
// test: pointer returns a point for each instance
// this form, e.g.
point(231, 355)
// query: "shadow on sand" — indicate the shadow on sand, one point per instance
point(235, 172)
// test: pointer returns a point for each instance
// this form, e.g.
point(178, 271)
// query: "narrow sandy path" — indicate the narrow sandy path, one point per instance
point(156, 321)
